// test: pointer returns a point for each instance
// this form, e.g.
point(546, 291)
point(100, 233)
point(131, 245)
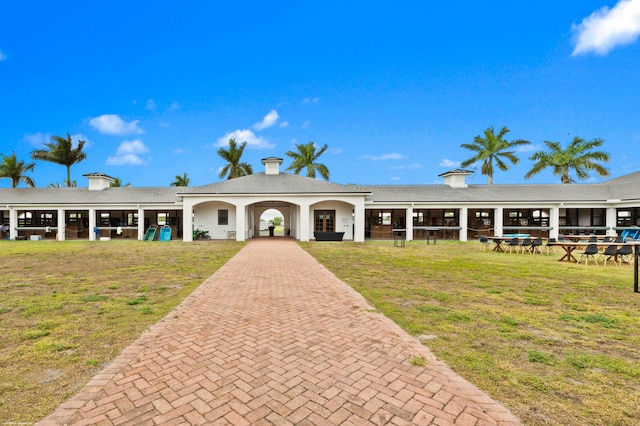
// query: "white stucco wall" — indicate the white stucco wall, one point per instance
point(206, 219)
point(344, 217)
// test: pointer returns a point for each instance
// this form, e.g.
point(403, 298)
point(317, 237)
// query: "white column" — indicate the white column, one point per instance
point(304, 222)
point(61, 225)
point(141, 229)
point(554, 222)
point(358, 230)
point(13, 223)
point(92, 224)
point(187, 220)
point(498, 222)
point(241, 222)
point(409, 223)
point(464, 222)
point(611, 221)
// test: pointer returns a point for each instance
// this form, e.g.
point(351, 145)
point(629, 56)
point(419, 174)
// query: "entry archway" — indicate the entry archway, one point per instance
point(272, 217)
point(260, 213)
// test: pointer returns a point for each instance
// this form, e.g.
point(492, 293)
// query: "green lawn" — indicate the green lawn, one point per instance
point(557, 343)
point(69, 308)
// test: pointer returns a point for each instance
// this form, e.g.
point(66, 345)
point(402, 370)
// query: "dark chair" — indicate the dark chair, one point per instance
point(515, 242)
point(593, 239)
point(484, 241)
point(535, 245)
point(611, 252)
point(549, 246)
point(589, 252)
point(525, 244)
point(624, 254)
point(606, 239)
point(619, 239)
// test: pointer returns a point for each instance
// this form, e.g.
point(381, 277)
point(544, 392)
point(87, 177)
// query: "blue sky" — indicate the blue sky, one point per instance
point(155, 88)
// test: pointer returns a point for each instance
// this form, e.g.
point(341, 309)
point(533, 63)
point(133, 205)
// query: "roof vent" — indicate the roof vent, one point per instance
point(456, 178)
point(98, 181)
point(272, 165)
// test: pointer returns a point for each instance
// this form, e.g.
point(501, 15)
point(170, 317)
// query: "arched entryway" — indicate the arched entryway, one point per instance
point(272, 218)
point(279, 214)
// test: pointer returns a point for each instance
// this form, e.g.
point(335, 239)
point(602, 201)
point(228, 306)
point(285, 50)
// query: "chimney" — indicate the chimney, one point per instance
point(272, 165)
point(98, 181)
point(456, 178)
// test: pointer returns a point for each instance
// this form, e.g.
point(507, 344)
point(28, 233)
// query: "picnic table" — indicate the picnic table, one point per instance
point(498, 240)
point(497, 243)
point(570, 247)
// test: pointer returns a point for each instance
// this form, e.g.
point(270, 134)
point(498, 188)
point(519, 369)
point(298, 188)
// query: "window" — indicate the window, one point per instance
point(25, 218)
point(132, 219)
point(384, 218)
point(223, 217)
point(105, 219)
point(163, 217)
point(418, 217)
point(624, 218)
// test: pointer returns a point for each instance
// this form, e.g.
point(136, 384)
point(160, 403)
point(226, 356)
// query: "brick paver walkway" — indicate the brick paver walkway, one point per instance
point(275, 338)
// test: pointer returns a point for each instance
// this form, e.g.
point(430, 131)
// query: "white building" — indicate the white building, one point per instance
point(314, 209)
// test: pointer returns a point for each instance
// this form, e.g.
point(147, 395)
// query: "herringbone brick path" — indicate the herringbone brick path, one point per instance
point(273, 338)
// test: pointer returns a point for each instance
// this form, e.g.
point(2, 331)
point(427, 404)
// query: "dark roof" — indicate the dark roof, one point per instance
point(282, 183)
point(457, 172)
point(625, 188)
point(490, 193)
point(117, 195)
point(98, 174)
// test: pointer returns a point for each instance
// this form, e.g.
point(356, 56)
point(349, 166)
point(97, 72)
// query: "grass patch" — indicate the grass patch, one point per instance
point(555, 342)
point(93, 298)
point(138, 300)
point(71, 314)
point(418, 361)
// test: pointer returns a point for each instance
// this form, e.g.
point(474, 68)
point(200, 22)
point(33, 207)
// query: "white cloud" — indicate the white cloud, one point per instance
point(2, 56)
point(414, 166)
point(268, 120)
point(284, 124)
point(528, 148)
point(306, 124)
point(335, 151)
point(37, 139)
point(174, 106)
point(112, 124)
point(245, 135)
point(128, 154)
point(383, 157)
point(607, 28)
point(449, 163)
point(310, 100)
point(151, 105)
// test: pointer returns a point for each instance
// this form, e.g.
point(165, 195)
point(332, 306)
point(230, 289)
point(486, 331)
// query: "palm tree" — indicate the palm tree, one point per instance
point(117, 183)
point(61, 151)
point(492, 148)
point(181, 180)
point(15, 170)
point(577, 155)
point(306, 156)
point(234, 168)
